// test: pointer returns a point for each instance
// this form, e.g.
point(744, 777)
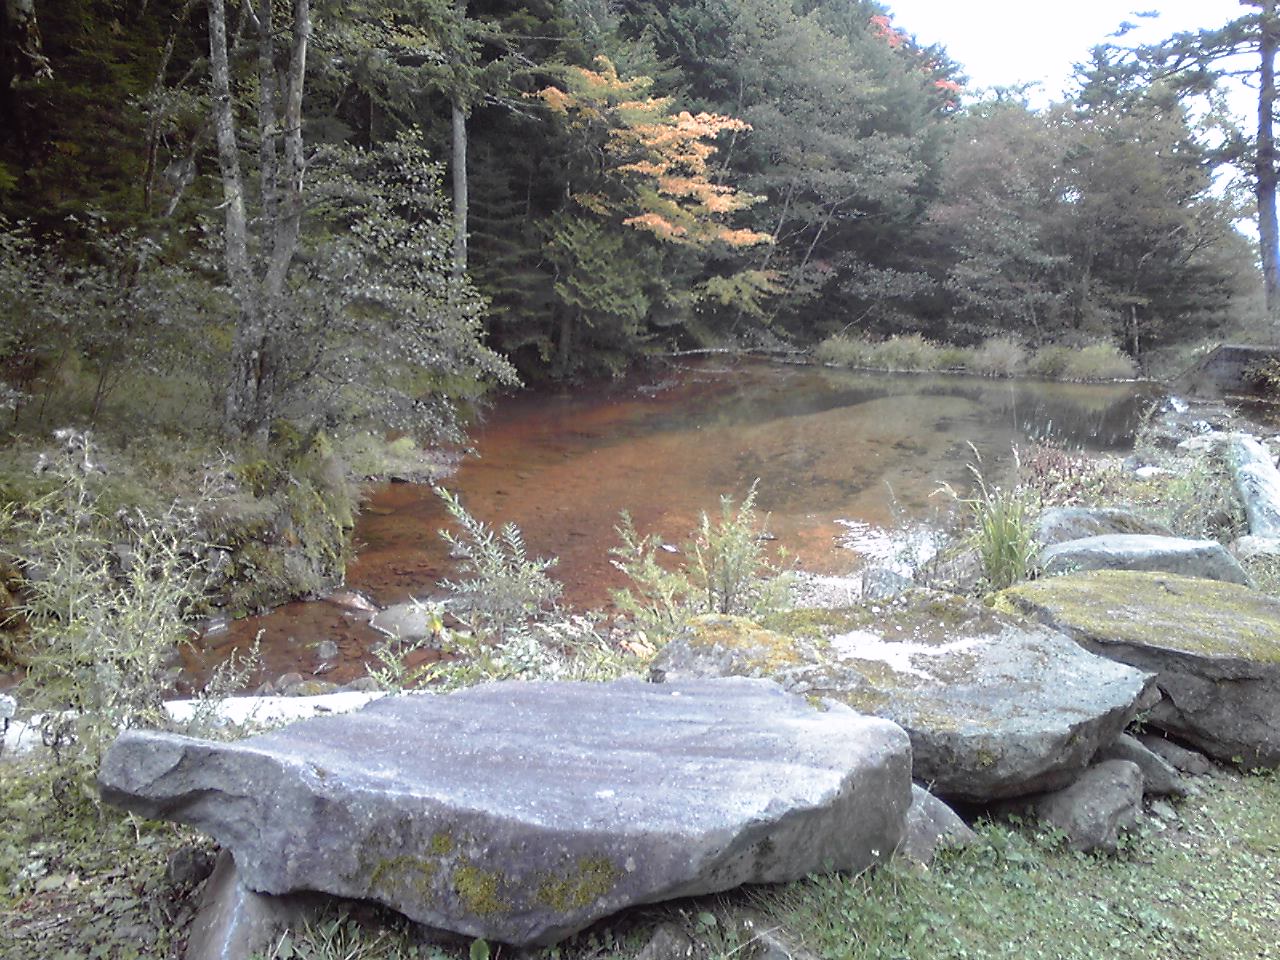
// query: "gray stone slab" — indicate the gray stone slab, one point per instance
point(1258, 483)
point(995, 707)
point(1060, 524)
point(1190, 558)
point(522, 812)
point(1214, 648)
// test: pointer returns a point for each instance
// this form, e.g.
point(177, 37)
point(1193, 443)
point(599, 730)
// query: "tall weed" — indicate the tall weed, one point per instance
point(1003, 528)
point(106, 598)
point(505, 586)
point(726, 570)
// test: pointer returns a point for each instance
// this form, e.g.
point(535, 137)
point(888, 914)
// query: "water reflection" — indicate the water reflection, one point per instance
point(828, 447)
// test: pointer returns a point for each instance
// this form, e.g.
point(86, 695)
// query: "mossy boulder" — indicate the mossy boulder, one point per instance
point(1214, 648)
point(994, 707)
point(522, 812)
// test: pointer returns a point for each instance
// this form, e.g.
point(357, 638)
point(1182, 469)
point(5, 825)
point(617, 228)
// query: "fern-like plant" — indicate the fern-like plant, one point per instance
point(505, 586)
point(726, 571)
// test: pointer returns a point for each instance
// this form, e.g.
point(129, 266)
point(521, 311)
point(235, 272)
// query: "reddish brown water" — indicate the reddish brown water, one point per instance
point(827, 447)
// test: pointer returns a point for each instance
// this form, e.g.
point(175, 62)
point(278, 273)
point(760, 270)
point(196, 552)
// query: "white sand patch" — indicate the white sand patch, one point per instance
point(901, 656)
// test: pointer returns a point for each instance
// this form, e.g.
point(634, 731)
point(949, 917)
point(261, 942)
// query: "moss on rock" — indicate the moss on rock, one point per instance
point(1186, 614)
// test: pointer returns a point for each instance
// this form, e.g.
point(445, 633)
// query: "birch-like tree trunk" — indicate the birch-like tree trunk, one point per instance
point(460, 200)
point(22, 48)
point(1265, 161)
point(250, 398)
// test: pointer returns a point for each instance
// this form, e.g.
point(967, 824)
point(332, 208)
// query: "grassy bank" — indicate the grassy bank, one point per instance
point(999, 357)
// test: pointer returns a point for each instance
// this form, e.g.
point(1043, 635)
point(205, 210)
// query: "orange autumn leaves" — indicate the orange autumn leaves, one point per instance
point(662, 158)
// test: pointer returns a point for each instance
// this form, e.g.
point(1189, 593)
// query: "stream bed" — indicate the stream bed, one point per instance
point(839, 456)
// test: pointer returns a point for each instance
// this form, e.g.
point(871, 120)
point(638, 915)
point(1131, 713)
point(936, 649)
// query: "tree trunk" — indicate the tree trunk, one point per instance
point(250, 399)
point(459, 188)
point(239, 402)
point(1265, 165)
point(22, 49)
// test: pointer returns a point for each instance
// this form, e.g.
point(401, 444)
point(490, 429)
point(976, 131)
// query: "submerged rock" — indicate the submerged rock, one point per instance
point(1060, 524)
point(1127, 551)
point(1214, 647)
point(408, 622)
point(522, 812)
point(994, 708)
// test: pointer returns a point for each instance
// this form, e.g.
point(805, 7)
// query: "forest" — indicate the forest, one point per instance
point(363, 213)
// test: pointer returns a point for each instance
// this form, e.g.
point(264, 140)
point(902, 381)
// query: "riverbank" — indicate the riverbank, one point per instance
point(80, 879)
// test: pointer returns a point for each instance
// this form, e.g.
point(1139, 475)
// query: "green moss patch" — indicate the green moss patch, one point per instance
point(1186, 614)
point(763, 650)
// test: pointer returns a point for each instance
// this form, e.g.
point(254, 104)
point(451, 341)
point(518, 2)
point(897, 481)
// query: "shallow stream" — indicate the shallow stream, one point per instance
point(840, 456)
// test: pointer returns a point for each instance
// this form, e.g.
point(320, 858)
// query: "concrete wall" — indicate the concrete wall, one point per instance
point(1222, 372)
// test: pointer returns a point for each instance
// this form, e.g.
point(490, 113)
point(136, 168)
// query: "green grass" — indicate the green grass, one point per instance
point(79, 882)
point(1206, 886)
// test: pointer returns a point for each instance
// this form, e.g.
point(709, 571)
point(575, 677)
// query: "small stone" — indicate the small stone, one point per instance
point(931, 826)
point(327, 650)
point(1164, 810)
point(778, 944)
point(668, 942)
point(882, 583)
point(1160, 777)
point(189, 866)
point(362, 685)
point(234, 921)
point(1190, 762)
point(310, 688)
point(286, 680)
point(8, 707)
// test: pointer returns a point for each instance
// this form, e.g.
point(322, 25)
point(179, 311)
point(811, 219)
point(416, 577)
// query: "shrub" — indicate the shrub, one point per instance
point(1050, 362)
point(906, 352)
point(1003, 528)
point(1000, 357)
point(106, 598)
point(725, 571)
point(506, 586)
point(843, 351)
point(1099, 361)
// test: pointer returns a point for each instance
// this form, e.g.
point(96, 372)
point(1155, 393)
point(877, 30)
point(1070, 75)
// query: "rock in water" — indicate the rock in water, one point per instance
point(1126, 551)
point(1214, 647)
point(995, 708)
point(522, 812)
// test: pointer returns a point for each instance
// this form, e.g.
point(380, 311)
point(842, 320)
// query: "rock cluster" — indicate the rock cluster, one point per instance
point(1214, 648)
point(995, 708)
point(522, 812)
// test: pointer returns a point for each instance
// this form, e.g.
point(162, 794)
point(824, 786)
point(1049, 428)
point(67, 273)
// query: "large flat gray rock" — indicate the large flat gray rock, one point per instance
point(1214, 648)
point(1124, 551)
point(995, 708)
point(522, 812)
point(1060, 524)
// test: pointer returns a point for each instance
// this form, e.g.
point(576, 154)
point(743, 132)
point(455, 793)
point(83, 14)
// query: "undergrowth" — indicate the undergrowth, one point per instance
point(724, 568)
point(998, 357)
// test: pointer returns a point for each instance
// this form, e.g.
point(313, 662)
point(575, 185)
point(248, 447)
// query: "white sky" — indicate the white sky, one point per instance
point(1004, 42)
